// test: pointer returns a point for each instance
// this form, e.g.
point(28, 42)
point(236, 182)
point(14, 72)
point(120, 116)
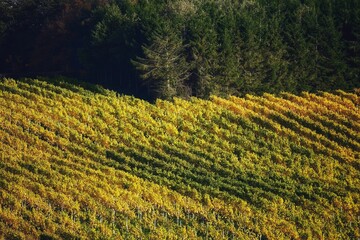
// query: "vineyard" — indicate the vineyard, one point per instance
point(80, 164)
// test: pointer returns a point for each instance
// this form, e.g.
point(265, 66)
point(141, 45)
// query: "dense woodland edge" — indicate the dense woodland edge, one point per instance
point(162, 49)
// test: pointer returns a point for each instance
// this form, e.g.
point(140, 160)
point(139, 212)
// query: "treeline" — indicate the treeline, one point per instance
point(186, 48)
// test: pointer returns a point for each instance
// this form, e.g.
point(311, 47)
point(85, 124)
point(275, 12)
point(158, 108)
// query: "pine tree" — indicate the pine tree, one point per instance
point(299, 53)
point(250, 55)
point(230, 51)
point(349, 23)
point(164, 65)
point(331, 66)
point(276, 64)
point(204, 51)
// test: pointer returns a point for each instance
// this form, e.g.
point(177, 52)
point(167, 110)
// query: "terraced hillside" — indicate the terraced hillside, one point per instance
point(82, 165)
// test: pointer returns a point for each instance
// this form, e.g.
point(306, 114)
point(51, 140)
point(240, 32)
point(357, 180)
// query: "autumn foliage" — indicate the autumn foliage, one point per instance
point(81, 164)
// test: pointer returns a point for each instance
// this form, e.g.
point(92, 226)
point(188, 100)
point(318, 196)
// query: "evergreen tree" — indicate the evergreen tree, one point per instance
point(164, 65)
point(252, 68)
point(204, 51)
point(349, 22)
point(114, 40)
point(331, 65)
point(299, 48)
point(229, 51)
point(274, 50)
point(5, 17)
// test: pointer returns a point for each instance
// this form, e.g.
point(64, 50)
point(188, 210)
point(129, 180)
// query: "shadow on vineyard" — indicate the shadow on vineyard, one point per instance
point(81, 162)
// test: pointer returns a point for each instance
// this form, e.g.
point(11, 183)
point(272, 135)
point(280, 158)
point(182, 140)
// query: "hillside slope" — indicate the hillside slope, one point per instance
point(80, 165)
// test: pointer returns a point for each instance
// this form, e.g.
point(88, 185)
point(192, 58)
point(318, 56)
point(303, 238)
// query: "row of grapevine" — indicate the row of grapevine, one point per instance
point(239, 168)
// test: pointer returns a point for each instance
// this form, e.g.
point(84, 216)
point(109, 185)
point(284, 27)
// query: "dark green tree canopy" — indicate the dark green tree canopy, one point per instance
point(160, 48)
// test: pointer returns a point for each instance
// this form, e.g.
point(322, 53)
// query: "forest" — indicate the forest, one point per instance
point(183, 48)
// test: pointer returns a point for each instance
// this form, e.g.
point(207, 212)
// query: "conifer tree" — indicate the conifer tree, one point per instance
point(252, 71)
point(299, 51)
point(164, 65)
point(277, 78)
point(331, 66)
point(204, 51)
point(229, 51)
point(349, 23)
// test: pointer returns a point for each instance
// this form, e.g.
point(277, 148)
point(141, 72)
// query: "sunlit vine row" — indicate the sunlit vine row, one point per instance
point(223, 169)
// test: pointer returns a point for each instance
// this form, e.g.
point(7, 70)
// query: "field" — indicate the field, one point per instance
point(81, 164)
